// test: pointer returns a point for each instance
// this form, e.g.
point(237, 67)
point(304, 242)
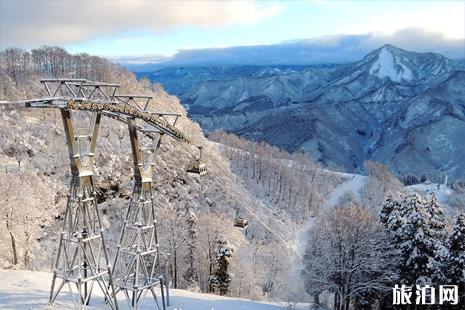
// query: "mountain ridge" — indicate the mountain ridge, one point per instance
point(341, 115)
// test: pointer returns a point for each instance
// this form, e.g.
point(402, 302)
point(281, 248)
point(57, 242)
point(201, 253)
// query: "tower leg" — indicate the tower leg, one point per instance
point(137, 254)
point(137, 264)
point(79, 259)
point(82, 257)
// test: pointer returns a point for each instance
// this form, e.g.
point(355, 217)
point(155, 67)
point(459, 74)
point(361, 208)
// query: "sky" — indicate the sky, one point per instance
point(156, 29)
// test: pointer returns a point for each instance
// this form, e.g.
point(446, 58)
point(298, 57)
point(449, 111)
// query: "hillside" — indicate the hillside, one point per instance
point(393, 106)
point(34, 176)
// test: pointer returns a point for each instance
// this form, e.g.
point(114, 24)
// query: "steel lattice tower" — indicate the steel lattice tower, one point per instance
point(82, 258)
point(137, 268)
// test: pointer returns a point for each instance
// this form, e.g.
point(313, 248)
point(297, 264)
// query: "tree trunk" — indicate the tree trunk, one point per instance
point(316, 299)
point(13, 247)
point(336, 301)
point(210, 271)
point(27, 259)
point(348, 294)
point(175, 276)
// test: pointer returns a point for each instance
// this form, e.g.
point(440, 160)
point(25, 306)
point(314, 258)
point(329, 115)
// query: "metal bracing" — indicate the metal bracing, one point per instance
point(79, 88)
point(137, 268)
point(148, 105)
point(82, 257)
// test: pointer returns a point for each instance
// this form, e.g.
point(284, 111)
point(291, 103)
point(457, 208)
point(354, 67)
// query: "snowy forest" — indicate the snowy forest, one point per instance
point(329, 239)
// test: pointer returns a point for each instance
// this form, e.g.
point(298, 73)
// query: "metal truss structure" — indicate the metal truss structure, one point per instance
point(82, 257)
point(137, 268)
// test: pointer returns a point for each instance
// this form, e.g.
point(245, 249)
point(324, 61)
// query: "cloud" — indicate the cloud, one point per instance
point(419, 40)
point(322, 50)
point(447, 18)
point(29, 22)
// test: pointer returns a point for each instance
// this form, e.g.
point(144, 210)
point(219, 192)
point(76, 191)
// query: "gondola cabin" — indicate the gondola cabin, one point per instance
point(240, 222)
point(197, 167)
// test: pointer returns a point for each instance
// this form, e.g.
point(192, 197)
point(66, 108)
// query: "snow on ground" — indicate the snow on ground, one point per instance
point(353, 185)
point(385, 66)
point(30, 290)
point(441, 191)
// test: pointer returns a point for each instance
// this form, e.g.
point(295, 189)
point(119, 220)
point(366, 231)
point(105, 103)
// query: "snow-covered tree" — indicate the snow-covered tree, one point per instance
point(455, 262)
point(210, 229)
point(190, 275)
point(416, 226)
point(380, 184)
point(346, 255)
point(173, 232)
point(221, 277)
point(28, 206)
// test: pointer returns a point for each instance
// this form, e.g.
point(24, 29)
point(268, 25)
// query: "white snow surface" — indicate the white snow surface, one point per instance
point(441, 191)
point(30, 290)
point(384, 66)
point(353, 185)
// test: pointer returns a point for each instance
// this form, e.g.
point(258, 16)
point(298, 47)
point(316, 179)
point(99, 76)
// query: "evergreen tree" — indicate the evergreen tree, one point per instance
point(416, 226)
point(221, 278)
point(455, 270)
point(190, 274)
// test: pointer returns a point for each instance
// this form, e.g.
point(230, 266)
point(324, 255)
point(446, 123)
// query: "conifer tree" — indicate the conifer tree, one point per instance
point(221, 278)
point(416, 226)
point(455, 264)
point(190, 274)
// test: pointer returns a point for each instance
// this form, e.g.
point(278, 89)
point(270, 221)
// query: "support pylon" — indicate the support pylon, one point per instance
point(137, 268)
point(82, 258)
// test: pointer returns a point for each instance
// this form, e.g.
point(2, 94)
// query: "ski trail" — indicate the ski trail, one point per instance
point(354, 185)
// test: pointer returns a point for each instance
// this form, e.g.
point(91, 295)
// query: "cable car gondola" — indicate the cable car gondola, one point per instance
point(197, 166)
point(240, 222)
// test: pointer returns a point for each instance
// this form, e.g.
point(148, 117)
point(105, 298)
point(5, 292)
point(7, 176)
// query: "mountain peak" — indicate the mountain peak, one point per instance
point(388, 64)
point(391, 48)
point(396, 64)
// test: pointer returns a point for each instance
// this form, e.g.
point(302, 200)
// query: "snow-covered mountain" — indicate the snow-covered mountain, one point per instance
point(398, 107)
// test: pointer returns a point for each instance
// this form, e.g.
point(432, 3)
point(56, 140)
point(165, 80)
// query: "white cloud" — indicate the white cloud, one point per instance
point(420, 40)
point(447, 19)
point(31, 22)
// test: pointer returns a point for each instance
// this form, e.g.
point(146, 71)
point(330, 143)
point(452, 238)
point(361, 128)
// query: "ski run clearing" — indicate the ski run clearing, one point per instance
point(30, 290)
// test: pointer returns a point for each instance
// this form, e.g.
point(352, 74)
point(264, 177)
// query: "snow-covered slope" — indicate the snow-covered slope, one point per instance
point(353, 185)
point(385, 66)
point(30, 290)
point(441, 191)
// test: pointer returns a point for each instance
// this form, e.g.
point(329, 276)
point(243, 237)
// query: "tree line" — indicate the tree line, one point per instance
point(20, 69)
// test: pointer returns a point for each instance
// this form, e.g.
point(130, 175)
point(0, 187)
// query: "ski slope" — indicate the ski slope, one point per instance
point(353, 184)
point(30, 289)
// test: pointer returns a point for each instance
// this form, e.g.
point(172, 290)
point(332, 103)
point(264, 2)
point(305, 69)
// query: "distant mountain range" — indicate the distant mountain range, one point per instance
point(402, 108)
point(329, 49)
